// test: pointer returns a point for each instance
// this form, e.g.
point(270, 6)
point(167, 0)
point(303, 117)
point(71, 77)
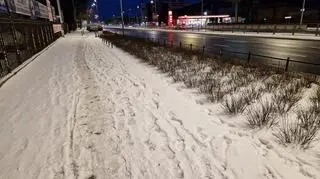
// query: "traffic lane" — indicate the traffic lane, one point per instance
point(268, 47)
point(273, 47)
point(281, 48)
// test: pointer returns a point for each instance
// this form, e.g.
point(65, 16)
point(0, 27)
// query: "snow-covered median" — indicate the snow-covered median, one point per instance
point(84, 110)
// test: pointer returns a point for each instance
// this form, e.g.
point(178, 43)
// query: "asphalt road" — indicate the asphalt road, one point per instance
point(298, 50)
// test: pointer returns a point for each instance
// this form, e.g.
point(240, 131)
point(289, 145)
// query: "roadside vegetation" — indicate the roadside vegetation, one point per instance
point(287, 103)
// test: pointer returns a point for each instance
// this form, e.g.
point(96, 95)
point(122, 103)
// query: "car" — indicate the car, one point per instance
point(94, 27)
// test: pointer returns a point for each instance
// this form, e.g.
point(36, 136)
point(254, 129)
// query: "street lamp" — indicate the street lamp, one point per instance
point(201, 7)
point(122, 23)
point(302, 11)
point(138, 9)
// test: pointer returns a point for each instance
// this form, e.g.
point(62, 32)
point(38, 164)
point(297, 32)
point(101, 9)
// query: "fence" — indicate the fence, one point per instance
point(272, 28)
point(256, 28)
point(285, 64)
point(20, 39)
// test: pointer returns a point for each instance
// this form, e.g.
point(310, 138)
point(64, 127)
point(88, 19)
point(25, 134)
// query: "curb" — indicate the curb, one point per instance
point(24, 64)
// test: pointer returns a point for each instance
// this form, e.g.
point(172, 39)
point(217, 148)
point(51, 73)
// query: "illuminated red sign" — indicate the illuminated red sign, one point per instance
point(170, 18)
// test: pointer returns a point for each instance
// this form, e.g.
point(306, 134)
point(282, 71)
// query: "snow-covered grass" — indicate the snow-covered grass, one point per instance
point(265, 96)
point(303, 131)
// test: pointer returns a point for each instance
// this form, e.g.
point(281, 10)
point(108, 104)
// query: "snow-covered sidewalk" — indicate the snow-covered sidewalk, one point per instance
point(84, 110)
point(297, 36)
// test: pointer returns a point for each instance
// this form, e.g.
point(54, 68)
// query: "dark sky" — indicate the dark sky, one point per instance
point(109, 7)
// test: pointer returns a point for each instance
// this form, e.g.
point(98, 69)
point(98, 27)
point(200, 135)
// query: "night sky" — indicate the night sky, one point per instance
point(108, 8)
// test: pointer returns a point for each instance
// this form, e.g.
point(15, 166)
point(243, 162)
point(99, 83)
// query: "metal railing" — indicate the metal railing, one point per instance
point(20, 39)
point(285, 64)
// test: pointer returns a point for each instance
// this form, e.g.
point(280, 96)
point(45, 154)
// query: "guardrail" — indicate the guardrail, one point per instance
point(252, 28)
point(286, 64)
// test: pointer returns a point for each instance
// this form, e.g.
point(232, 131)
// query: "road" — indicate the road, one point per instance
point(298, 50)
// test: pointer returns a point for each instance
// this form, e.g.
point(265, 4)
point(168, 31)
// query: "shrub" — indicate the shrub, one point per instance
point(284, 101)
point(234, 104)
point(309, 118)
point(302, 132)
point(251, 94)
point(216, 93)
point(316, 101)
point(261, 115)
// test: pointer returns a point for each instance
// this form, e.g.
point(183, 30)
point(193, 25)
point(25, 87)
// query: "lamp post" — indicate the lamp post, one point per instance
point(60, 12)
point(138, 9)
point(122, 22)
point(201, 7)
point(302, 11)
point(61, 17)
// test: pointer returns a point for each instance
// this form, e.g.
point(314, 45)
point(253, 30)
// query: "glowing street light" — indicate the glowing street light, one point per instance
point(302, 11)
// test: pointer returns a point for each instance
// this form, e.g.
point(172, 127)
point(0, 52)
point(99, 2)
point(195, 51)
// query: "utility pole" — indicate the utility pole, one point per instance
point(121, 8)
point(61, 16)
point(236, 11)
point(302, 11)
point(202, 7)
point(60, 12)
point(74, 12)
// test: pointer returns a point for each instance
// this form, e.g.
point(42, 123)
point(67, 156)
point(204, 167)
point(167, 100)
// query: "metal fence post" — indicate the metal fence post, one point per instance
point(38, 38)
point(220, 53)
point(6, 61)
point(45, 33)
point(287, 64)
point(294, 29)
point(33, 40)
point(3, 56)
point(50, 32)
point(274, 29)
point(203, 51)
point(249, 56)
point(317, 30)
point(180, 45)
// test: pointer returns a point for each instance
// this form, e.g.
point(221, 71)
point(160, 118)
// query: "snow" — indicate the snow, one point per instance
point(82, 110)
point(297, 36)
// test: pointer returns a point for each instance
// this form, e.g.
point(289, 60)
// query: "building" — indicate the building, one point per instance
point(257, 11)
point(156, 11)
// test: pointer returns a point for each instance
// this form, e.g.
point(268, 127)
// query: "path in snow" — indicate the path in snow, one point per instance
point(83, 110)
